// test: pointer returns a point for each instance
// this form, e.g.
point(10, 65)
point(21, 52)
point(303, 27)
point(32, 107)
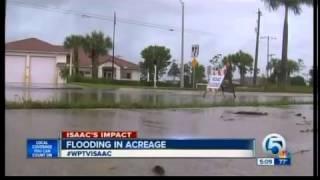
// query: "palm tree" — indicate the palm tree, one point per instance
point(174, 70)
point(244, 62)
point(275, 67)
point(295, 6)
point(293, 67)
point(241, 60)
point(311, 76)
point(95, 45)
point(74, 42)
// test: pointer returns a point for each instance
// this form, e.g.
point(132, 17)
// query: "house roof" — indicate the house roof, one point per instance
point(37, 45)
point(85, 61)
point(34, 45)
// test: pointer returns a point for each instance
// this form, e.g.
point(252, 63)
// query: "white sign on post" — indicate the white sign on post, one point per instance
point(215, 81)
point(195, 50)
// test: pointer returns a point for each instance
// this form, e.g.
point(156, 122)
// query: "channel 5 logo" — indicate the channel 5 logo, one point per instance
point(273, 144)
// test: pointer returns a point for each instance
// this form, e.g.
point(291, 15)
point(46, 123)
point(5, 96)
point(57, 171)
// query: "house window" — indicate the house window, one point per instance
point(128, 75)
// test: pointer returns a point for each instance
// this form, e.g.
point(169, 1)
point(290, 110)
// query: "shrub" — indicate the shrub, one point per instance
point(64, 73)
point(297, 81)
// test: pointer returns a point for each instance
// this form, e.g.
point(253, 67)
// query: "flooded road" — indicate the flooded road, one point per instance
point(129, 95)
point(170, 123)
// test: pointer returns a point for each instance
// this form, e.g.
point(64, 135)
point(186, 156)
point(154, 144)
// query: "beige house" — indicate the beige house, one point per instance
point(123, 69)
point(33, 61)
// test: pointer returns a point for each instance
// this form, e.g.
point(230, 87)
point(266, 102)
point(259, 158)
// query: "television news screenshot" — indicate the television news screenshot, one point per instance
point(160, 88)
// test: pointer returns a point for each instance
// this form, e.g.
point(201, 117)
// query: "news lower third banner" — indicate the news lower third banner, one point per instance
point(140, 148)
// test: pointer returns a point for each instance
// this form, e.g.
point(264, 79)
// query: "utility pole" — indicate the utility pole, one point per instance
point(155, 76)
point(182, 43)
point(257, 51)
point(70, 62)
point(268, 55)
point(155, 62)
point(114, 29)
point(194, 76)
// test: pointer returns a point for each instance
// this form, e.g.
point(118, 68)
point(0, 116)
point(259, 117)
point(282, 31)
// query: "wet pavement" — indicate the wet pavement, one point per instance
point(128, 95)
point(174, 123)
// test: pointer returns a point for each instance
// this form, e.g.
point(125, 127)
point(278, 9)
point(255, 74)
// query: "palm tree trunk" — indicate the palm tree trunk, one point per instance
point(242, 79)
point(94, 65)
point(242, 74)
point(76, 61)
point(284, 57)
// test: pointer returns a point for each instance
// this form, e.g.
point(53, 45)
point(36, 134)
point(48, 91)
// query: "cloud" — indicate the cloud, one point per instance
point(229, 25)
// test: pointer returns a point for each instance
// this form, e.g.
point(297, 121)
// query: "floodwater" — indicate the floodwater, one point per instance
point(129, 95)
point(171, 123)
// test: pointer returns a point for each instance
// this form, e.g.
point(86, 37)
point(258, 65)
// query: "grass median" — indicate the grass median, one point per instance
point(29, 104)
point(277, 89)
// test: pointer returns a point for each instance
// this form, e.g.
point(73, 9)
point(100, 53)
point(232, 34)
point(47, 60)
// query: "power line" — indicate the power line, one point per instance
point(102, 17)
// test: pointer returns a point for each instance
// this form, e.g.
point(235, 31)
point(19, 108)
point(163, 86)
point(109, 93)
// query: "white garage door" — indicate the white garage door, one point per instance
point(43, 70)
point(15, 69)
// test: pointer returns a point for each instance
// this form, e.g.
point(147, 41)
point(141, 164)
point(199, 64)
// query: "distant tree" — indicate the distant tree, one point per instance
point(297, 81)
point(275, 67)
point(293, 67)
point(295, 6)
point(301, 65)
point(199, 73)
point(311, 77)
point(174, 71)
point(159, 55)
point(96, 44)
point(74, 42)
point(143, 71)
point(242, 61)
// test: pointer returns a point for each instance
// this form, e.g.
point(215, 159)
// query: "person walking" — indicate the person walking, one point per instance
point(227, 82)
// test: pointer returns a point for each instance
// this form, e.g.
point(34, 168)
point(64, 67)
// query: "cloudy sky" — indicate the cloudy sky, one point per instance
point(218, 26)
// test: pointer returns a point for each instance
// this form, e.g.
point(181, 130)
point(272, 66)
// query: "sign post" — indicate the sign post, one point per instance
point(194, 64)
point(194, 54)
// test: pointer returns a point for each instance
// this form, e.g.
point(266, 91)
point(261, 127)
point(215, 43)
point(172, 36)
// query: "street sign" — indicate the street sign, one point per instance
point(195, 50)
point(194, 63)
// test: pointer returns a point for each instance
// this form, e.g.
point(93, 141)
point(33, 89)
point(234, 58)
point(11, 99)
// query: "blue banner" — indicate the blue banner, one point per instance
point(42, 148)
point(225, 144)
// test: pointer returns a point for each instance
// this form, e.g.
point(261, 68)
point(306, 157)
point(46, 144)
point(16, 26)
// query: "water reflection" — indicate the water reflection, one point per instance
point(129, 96)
